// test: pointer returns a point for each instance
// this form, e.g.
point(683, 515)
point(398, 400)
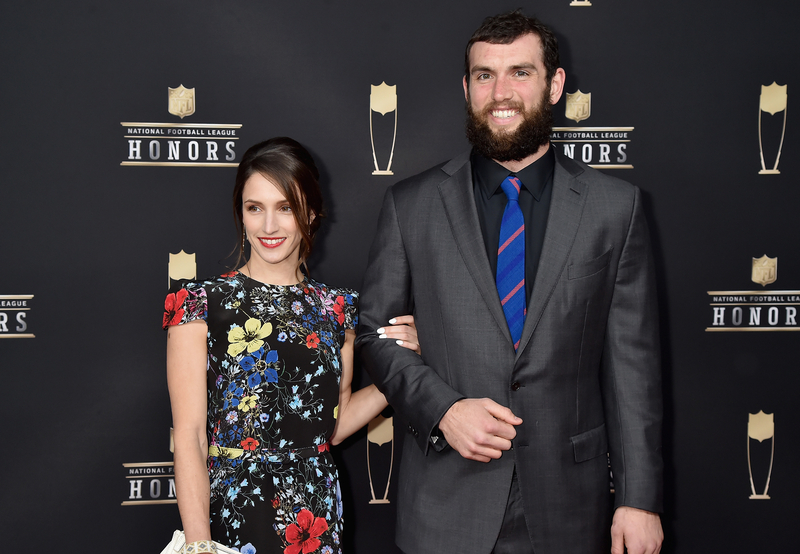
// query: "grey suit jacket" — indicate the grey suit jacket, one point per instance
point(585, 379)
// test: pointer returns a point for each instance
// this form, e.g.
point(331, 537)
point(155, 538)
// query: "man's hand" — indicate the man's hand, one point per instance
point(637, 530)
point(479, 428)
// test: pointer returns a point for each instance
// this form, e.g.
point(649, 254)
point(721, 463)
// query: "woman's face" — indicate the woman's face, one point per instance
point(271, 228)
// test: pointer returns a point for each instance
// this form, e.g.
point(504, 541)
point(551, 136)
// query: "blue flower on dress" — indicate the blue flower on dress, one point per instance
point(254, 380)
point(271, 375)
point(264, 418)
point(339, 507)
point(247, 363)
point(297, 307)
point(282, 336)
point(248, 549)
point(235, 524)
point(327, 550)
point(272, 357)
point(232, 417)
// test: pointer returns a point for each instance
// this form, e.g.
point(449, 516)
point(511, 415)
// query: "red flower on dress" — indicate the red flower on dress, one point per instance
point(249, 443)
point(338, 309)
point(276, 503)
point(173, 307)
point(324, 447)
point(303, 535)
point(229, 274)
point(312, 341)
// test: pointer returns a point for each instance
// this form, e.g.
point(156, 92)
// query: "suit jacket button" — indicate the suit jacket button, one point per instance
point(515, 386)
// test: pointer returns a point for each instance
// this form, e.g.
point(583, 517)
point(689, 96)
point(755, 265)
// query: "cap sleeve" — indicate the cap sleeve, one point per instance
point(186, 304)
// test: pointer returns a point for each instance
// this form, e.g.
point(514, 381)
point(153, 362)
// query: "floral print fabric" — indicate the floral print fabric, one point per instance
point(274, 365)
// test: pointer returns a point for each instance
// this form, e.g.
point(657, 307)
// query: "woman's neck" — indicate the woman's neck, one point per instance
point(273, 276)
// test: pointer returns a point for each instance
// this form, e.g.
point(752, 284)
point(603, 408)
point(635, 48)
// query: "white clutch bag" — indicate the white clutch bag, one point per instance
point(179, 539)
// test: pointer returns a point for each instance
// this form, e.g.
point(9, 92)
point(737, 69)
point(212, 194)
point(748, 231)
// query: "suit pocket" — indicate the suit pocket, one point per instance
point(585, 269)
point(591, 444)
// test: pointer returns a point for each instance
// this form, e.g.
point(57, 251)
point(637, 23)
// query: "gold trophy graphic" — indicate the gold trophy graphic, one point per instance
point(760, 427)
point(181, 266)
point(383, 99)
point(380, 431)
point(765, 270)
point(181, 101)
point(773, 100)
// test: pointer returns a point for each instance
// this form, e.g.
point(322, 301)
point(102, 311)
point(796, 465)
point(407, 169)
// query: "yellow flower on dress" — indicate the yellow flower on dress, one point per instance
point(248, 403)
point(249, 338)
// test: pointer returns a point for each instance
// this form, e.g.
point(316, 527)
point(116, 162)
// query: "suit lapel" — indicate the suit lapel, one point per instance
point(462, 215)
point(566, 207)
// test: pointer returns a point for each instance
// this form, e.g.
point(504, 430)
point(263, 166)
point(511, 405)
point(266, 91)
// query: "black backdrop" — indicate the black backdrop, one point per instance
point(90, 238)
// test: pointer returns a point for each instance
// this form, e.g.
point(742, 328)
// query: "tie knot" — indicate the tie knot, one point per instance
point(511, 186)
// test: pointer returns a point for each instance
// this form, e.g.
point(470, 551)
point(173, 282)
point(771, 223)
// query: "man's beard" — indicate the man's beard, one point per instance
point(503, 146)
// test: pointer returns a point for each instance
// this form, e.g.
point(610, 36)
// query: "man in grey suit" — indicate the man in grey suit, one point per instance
point(514, 412)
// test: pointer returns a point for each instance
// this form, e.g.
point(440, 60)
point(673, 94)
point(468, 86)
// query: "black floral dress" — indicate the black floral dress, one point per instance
point(274, 365)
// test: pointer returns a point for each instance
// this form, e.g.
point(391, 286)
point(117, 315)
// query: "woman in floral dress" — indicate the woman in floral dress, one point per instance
point(259, 367)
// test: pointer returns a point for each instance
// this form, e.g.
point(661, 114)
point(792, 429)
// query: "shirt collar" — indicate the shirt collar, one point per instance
point(534, 177)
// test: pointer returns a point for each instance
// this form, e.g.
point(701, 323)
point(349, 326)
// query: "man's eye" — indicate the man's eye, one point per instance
point(482, 76)
point(521, 73)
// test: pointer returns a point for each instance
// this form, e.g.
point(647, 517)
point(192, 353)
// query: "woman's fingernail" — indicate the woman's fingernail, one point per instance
point(381, 331)
point(392, 321)
point(381, 336)
point(400, 342)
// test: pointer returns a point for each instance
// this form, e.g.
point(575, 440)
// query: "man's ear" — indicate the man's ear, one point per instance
point(557, 85)
point(466, 88)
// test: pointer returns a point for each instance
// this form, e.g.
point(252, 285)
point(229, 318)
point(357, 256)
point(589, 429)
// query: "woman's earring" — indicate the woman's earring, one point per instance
point(244, 237)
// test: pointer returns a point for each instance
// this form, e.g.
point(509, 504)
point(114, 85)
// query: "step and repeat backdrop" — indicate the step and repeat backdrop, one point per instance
point(122, 127)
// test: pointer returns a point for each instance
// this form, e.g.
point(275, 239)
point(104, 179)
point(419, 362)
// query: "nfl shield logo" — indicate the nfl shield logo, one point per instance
point(765, 270)
point(181, 266)
point(181, 101)
point(579, 106)
point(761, 426)
point(383, 98)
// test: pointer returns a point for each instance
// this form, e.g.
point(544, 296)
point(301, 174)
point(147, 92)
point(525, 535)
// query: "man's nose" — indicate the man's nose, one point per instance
point(502, 90)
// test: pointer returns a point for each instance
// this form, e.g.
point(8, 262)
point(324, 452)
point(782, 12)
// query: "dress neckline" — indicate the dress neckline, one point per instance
point(244, 277)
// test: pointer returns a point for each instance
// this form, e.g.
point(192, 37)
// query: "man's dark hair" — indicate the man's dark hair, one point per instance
point(508, 27)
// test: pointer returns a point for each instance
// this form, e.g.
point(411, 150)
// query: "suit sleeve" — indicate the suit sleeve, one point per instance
point(414, 389)
point(631, 374)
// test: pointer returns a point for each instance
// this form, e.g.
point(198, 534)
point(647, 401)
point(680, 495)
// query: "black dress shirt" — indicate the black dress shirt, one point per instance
point(534, 200)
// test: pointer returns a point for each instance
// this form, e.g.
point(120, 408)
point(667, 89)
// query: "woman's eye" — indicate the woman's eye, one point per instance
point(253, 208)
point(287, 208)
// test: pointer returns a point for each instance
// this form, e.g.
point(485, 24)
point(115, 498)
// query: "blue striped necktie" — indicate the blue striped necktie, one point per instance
point(511, 261)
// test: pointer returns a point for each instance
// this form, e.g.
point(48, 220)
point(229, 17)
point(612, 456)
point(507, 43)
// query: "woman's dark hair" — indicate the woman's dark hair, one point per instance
point(508, 27)
point(289, 166)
